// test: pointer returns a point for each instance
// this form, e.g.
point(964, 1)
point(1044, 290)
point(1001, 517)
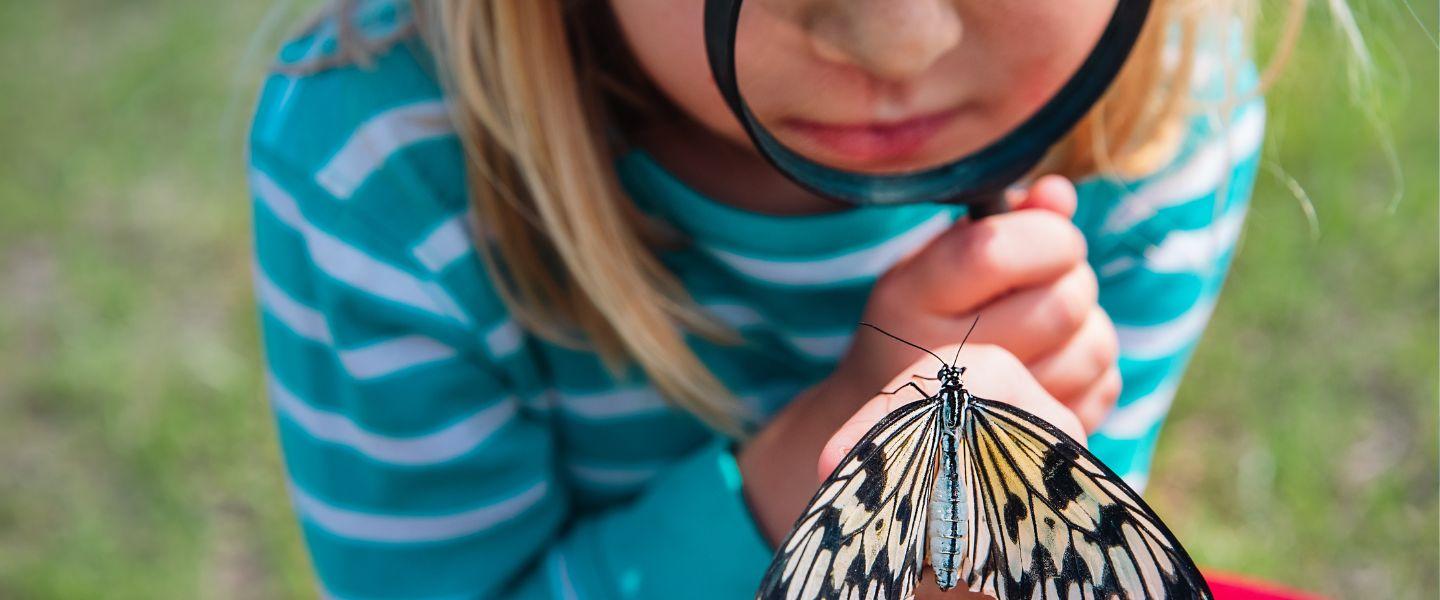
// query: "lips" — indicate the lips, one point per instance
point(875, 144)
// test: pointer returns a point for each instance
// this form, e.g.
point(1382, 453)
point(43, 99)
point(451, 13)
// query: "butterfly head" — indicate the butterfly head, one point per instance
point(950, 375)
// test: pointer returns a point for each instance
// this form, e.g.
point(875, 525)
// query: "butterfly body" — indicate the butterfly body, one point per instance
point(947, 502)
point(1003, 501)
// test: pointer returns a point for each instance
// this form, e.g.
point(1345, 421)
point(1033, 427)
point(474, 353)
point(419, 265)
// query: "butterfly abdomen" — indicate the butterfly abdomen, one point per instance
point(947, 514)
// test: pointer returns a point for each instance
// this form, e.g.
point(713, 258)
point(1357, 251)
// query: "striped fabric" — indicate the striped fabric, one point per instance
point(435, 450)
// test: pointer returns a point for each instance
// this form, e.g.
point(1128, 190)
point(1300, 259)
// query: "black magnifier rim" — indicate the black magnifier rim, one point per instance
point(974, 178)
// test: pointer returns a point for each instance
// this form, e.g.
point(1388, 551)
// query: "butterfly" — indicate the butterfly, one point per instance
point(1003, 502)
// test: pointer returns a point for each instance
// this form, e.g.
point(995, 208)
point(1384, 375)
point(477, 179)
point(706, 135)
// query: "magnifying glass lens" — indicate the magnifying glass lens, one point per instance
point(899, 86)
point(899, 101)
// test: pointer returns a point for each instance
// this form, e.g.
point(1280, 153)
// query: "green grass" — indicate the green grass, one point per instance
point(140, 459)
point(1303, 445)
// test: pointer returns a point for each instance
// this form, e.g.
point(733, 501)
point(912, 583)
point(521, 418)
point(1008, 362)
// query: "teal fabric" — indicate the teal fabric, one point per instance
point(435, 450)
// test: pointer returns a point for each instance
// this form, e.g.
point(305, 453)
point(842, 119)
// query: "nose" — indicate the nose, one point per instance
point(891, 39)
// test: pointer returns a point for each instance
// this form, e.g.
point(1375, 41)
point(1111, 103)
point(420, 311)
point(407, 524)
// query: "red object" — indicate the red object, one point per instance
point(1230, 587)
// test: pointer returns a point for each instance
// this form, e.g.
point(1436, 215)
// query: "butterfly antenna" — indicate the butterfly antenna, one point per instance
point(894, 337)
point(967, 338)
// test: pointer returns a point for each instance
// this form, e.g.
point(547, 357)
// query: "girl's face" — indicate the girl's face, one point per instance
point(872, 85)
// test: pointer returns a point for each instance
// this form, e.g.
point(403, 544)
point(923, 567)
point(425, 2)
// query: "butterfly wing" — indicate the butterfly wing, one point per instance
point(1049, 520)
point(862, 536)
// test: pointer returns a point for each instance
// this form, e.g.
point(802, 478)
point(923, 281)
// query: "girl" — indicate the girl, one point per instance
point(539, 322)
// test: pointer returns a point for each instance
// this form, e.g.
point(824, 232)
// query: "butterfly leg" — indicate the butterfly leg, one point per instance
point(902, 388)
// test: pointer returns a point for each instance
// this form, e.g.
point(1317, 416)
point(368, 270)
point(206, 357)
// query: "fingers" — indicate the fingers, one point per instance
point(972, 264)
point(1096, 403)
point(1083, 373)
point(1036, 321)
point(1052, 193)
point(1073, 366)
point(1032, 324)
point(1021, 266)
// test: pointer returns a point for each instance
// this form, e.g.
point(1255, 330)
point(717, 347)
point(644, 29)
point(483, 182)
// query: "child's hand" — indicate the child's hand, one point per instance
point(1024, 271)
point(1025, 274)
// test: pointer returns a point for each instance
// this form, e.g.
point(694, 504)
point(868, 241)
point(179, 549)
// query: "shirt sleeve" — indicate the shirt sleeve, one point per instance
point(416, 467)
point(1161, 250)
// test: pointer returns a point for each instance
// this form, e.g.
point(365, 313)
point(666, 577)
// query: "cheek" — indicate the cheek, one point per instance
point(1037, 79)
point(1033, 72)
point(667, 38)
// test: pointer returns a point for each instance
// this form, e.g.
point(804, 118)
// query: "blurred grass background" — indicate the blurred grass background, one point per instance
point(138, 454)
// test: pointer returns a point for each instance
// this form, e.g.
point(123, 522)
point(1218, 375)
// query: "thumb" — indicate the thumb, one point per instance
point(1051, 192)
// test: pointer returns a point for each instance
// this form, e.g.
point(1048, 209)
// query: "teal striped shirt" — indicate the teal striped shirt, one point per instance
point(434, 449)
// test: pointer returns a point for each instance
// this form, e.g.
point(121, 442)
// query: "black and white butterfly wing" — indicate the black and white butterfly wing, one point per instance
point(1050, 521)
point(863, 534)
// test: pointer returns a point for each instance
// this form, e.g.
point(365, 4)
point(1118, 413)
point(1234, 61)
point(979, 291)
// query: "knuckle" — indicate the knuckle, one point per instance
point(1106, 343)
point(1107, 350)
point(1108, 392)
point(998, 358)
point(983, 246)
point(1084, 285)
point(1100, 393)
point(1098, 400)
point(990, 245)
point(1067, 310)
point(1073, 241)
point(1061, 234)
point(1067, 237)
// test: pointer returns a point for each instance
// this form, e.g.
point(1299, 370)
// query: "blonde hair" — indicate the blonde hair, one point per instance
point(533, 102)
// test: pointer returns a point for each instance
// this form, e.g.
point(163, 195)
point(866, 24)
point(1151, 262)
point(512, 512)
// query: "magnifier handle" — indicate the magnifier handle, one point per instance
point(988, 206)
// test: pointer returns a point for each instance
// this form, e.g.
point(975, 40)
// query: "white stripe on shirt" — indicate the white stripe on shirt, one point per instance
point(446, 243)
point(734, 313)
point(306, 322)
point(613, 404)
point(377, 139)
point(1116, 267)
point(1201, 175)
point(1161, 341)
point(609, 475)
point(824, 347)
point(1195, 251)
point(388, 357)
point(448, 443)
point(1198, 250)
point(1137, 418)
point(396, 529)
point(371, 361)
point(821, 347)
point(866, 263)
point(504, 339)
point(349, 264)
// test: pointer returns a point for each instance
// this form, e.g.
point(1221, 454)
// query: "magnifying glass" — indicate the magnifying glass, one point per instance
point(879, 102)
